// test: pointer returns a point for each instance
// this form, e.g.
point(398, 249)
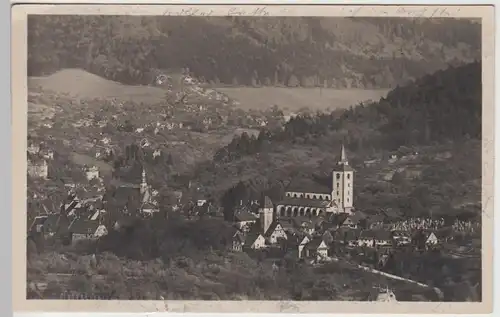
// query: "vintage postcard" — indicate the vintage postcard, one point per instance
point(245, 158)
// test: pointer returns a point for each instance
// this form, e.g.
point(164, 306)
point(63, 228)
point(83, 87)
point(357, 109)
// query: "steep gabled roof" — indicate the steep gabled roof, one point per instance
point(39, 220)
point(245, 216)
point(51, 224)
point(83, 226)
point(314, 243)
point(272, 228)
point(251, 237)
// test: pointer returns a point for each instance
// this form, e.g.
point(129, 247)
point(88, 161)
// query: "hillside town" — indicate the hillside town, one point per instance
point(303, 168)
point(314, 223)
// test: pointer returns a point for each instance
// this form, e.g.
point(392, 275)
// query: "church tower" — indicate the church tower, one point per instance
point(266, 214)
point(144, 188)
point(343, 183)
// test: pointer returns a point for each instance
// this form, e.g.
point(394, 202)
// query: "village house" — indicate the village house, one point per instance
point(84, 229)
point(36, 226)
point(47, 154)
point(91, 172)
point(304, 225)
point(38, 167)
point(149, 208)
point(105, 140)
point(401, 237)
point(275, 233)
point(156, 153)
point(97, 215)
point(345, 220)
point(348, 237)
point(237, 241)
point(375, 238)
point(424, 239)
point(254, 241)
point(244, 220)
point(431, 239)
point(313, 247)
point(33, 149)
point(302, 245)
point(48, 225)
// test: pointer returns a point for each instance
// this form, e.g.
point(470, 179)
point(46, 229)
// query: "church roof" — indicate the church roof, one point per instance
point(304, 202)
point(308, 185)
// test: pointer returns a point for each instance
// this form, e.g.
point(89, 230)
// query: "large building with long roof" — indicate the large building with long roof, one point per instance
point(310, 197)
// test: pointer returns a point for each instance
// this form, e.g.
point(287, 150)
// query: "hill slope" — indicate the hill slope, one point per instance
point(446, 105)
point(437, 116)
point(290, 51)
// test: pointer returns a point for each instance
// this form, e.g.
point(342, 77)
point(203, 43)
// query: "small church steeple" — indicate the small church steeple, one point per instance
point(144, 183)
point(266, 213)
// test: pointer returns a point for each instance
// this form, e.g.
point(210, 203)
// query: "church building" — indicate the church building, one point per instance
point(135, 198)
point(311, 198)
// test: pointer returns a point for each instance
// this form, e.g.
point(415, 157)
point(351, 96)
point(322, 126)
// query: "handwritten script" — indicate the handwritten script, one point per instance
point(231, 11)
point(362, 10)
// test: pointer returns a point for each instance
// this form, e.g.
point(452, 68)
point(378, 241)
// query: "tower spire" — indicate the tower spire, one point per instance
point(343, 156)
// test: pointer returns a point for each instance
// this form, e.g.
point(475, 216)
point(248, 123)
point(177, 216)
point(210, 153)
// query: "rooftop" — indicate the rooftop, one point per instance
point(83, 226)
point(308, 185)
point(245, 216)
point(304, 202)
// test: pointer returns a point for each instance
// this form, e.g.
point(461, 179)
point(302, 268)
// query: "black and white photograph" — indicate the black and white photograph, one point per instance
point(250, 156)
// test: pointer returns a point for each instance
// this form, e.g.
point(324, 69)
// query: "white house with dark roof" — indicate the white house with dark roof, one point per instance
point(311, 198)
point(244, 219)
point(85, 229)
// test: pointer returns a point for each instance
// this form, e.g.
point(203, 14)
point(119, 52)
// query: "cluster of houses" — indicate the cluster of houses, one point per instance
point(77, 219)
point(317, 236)
point(83, 215)
point(314, 217)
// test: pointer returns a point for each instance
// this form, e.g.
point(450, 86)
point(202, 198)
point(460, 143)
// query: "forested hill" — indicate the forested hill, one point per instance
point(285, 51)
point(444, 106)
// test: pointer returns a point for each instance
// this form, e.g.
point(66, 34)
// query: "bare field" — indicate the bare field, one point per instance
point(293, 99)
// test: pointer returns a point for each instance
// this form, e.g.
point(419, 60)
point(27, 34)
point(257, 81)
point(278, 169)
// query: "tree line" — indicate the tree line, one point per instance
point(271, 51)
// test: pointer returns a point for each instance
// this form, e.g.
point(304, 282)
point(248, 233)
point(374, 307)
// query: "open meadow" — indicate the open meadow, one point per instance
point(294, 99)
point(78, 83)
